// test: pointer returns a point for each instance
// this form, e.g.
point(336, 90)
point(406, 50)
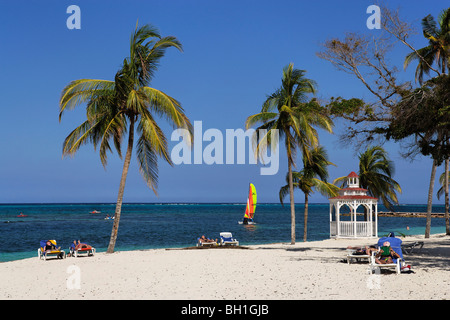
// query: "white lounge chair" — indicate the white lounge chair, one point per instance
point(374, 266)
point(351, 255)
point(396, 245)
point(226, 238)
point(201, 243)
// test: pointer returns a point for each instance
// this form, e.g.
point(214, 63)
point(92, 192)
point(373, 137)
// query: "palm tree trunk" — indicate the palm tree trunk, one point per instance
point(430, 200)
point(305, 226)
point(447, 222)
point(291, 196)
point(126, 165)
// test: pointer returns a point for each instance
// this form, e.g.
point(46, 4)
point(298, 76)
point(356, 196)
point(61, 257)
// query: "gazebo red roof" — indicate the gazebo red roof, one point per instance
point(352, 175)
point(354, 197)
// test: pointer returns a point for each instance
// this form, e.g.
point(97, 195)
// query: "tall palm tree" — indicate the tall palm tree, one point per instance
point(438, 49)
point(444, 180)
point(375, 175)
point(125, 105)
point(314, 175)
point(293, 118)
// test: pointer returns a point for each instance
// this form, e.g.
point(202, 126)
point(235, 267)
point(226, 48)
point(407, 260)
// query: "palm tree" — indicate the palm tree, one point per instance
point(444, 180)
point(313, 176)
point(375, 175)
point(115, 108)
point(438, 49)
point(288, 113)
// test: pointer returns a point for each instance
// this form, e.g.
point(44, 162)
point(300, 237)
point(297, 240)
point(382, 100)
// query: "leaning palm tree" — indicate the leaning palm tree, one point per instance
point(288, 114)
point(375, 175)
point(438, 49)
point(123, 106)
point(313, 176)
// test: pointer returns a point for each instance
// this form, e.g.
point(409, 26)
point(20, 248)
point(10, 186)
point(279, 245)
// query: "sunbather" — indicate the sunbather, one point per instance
point(50, 247)
point(367, 250)
point(203, 239)
point(386, 254)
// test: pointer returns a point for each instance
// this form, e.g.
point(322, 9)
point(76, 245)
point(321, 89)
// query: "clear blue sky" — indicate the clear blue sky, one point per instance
point(234, 52)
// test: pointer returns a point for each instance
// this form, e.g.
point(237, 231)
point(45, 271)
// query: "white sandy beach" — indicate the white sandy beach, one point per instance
point(312, 270)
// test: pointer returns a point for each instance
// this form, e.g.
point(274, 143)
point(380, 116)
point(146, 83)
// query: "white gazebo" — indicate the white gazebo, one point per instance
point(346, 224)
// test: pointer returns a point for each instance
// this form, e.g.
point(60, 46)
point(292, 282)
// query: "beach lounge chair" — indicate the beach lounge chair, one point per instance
point(201, 243)
point(396, 245)
point(82, 249)
point(226, 238)
point(42, 254)
point(351, 254)
point(410, 247)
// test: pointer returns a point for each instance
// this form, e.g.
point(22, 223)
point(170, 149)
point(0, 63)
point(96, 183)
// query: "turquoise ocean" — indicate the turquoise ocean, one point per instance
point(172, 225)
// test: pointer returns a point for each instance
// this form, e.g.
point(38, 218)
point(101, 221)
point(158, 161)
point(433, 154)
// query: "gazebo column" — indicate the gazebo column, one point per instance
point(340, 204)
point(331, 217)
point(376, 220)
point(355, 207)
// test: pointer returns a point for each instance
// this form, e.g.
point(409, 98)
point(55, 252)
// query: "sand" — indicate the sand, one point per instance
point(311, 270)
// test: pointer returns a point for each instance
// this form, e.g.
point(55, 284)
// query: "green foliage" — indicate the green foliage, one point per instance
point(113, 107)
point(425, 115)
point(438, 49)
point(313, 176)
point(375, 175)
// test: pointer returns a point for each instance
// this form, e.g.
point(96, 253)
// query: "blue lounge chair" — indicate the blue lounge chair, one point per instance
point(226, 238)
point(396, 245)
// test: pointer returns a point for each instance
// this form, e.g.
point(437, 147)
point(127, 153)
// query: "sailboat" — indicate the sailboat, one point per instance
point(251, 206)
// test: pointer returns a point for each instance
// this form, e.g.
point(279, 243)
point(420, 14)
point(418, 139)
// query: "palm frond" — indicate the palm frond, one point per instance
point(81, 91)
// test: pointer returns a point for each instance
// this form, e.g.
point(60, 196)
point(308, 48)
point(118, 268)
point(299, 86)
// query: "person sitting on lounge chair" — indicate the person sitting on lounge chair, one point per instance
point(50, 247)
point(386, 254)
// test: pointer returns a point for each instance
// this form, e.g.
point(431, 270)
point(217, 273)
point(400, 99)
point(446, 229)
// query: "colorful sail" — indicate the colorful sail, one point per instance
point(251, 203)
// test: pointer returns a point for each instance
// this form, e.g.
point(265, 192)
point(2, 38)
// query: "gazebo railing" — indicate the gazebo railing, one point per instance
point(347, 229)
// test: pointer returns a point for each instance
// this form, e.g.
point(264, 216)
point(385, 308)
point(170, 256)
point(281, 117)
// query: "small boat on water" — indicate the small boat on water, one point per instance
point(21, 215)
point(109, 218)
point(251, 206)
point(95, 211)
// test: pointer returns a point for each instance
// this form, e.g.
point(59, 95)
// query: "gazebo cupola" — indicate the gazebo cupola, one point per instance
point(348, 224)
point(353, 180)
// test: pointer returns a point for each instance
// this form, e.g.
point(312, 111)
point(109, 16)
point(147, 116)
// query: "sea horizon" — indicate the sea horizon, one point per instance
point(178, 202)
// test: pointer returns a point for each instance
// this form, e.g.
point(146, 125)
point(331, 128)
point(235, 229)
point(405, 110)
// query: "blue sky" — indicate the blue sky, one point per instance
point(234, 52)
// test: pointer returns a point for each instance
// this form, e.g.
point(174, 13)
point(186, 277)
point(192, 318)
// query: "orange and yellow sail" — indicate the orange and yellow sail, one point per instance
point(251, 203)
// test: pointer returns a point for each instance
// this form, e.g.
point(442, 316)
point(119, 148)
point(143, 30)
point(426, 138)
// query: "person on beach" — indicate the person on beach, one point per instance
point(363, 250)
point(50, 247)
point(72, 248)
point(203, 239)
point(386, 254)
